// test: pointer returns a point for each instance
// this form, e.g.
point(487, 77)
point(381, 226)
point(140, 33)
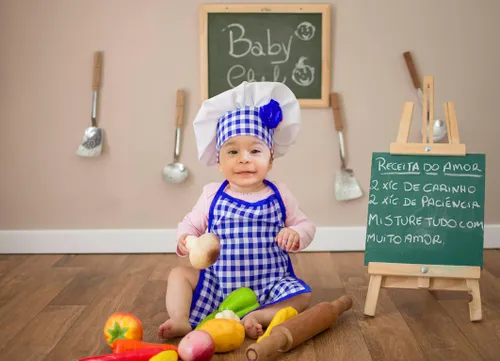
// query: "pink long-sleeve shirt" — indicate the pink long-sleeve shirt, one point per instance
point(196, 221)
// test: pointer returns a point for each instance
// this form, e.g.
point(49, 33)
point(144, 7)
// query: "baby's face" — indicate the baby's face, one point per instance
point(245, 161)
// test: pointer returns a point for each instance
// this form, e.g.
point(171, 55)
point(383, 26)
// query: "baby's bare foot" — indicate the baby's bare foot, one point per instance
point(253, 328)
point(174, 328)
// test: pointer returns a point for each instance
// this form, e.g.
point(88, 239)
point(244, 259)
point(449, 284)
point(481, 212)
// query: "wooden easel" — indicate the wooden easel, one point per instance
point(416, 276)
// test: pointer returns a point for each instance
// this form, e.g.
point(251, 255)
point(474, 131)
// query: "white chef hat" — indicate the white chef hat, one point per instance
point(267, 110)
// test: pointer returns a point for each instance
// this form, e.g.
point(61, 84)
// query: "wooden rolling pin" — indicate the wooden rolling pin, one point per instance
point(296, 330)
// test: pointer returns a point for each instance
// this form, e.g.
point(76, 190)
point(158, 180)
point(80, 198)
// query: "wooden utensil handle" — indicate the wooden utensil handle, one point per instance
point(279, 341)
point(96, 78)
point(315, 320)
point(413, 70)
point(298, 329)
point(334, 99)
point(180, 108)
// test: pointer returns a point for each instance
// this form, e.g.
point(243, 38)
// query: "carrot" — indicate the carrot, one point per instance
point(135, 355)
point(121, 345)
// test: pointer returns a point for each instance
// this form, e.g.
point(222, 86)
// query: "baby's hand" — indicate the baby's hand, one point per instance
point(288, 239)
point(182, 245)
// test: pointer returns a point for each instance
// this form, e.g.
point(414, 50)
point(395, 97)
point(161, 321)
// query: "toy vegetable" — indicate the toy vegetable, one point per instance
point(227, 334)
point(196, 346)
point(130, 345)
point(203, 250)
point(122, 325)
point(136, 355)
point(165, 356)
point(241, 301)
point(280, 316)
point(227, 314)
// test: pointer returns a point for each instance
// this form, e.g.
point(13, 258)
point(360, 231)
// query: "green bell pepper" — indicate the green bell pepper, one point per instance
point(241, 301)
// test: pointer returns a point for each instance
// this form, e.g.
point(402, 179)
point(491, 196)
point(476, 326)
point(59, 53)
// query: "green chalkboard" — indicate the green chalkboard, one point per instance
point(253, 44)
point(426, 209)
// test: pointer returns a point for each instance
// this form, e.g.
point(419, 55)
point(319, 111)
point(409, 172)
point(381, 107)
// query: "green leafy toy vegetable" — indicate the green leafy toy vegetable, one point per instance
point(240, 301)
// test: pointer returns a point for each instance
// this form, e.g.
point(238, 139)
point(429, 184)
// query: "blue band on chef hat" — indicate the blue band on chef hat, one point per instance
point(256, 121)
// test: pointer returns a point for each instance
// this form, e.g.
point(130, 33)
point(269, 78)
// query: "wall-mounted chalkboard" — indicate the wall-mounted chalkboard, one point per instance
point(288, 43)
point(426, 209)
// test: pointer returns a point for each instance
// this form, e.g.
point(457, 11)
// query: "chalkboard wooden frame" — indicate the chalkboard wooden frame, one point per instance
point(425, 276)
point(323, 9)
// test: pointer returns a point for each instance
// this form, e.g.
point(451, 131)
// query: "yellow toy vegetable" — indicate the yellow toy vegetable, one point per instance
point(169, 355)
point(280, 316)
point(227, 334)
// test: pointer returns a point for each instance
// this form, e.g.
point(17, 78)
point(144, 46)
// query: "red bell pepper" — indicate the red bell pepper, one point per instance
point(135, 355)
point(122, 345)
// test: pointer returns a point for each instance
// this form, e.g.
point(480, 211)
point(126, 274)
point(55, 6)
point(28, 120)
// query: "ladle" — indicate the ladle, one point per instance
point(177, 172)
point(439, 127)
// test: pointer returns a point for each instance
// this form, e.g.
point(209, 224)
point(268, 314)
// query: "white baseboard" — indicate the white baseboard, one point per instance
point(163, 240)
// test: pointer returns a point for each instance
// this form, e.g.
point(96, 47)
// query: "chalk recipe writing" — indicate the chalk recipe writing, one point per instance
point(276, 53)
point(416, 203)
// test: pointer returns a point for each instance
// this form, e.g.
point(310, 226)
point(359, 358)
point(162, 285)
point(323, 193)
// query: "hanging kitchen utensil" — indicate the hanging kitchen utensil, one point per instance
point(91, 145)
point(177, 172)
point(346, 184)
point(439, 127)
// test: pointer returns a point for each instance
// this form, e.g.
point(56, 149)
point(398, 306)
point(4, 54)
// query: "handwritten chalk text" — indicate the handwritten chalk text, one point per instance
point(386, 167)
point(448, 203)
point(422, 221)
point(396, 239)
point(255, 47)
point(275, 53)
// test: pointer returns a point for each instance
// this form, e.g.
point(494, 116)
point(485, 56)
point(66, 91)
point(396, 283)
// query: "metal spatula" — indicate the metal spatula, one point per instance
point(346, 184)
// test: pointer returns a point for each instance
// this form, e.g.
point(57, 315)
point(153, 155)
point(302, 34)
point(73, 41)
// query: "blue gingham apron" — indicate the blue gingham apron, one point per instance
point(249, 254)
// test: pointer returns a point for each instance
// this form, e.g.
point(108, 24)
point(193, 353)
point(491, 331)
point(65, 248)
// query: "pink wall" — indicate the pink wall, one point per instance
point(151, 49)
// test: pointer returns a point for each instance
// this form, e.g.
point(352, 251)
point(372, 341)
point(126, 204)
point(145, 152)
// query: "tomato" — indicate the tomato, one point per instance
point(122, 325)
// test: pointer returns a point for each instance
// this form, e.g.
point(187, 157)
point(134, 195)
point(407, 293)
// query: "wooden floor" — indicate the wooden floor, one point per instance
point(54, 307)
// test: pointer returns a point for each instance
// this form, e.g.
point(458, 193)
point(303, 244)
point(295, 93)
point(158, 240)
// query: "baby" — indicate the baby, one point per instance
point(258, 222)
